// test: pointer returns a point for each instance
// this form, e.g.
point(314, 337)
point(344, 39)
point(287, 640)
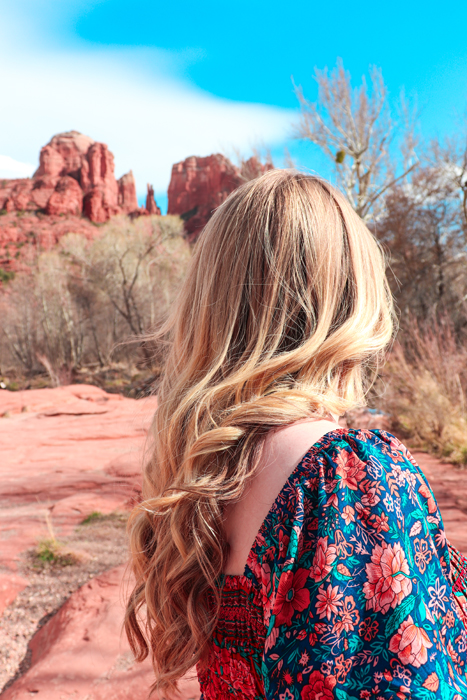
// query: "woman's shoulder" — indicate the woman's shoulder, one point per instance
point(353, 454)
point(360, 478)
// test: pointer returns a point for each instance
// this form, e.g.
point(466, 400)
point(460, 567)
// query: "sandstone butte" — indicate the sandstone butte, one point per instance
point(74, 450)
point(75, 176)
point(199, 185)
point(75, 188)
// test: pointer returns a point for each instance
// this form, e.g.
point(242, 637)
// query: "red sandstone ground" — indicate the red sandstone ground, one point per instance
point(68, 453)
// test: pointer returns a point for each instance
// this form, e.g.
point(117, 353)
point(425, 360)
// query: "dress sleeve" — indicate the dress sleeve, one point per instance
point(356, 589)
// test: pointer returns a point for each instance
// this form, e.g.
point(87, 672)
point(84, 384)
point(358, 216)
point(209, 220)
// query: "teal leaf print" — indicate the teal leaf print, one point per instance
point(399, 615)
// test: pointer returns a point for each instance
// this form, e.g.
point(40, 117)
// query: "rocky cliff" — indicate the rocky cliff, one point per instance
point(75, 184)
point(75, 176)
point(199, 185)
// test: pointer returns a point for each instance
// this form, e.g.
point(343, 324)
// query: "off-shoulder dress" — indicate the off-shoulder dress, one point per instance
point(350, 591)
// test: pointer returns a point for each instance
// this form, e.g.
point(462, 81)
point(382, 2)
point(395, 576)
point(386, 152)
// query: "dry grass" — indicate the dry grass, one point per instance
point(423, 386)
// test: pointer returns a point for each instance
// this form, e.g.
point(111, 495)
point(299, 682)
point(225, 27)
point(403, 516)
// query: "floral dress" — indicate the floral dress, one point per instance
point(350, 591)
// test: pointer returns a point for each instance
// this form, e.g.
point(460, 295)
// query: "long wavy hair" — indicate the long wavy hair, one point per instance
point(283, 315)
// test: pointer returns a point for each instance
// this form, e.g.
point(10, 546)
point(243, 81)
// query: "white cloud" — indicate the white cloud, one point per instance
point(13, 168)
point(131, 99)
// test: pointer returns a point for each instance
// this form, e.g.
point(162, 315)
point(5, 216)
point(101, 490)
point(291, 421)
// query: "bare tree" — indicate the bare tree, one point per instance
point(422, 231)
point(79, 303)
point(356, 129)
point(449, 157)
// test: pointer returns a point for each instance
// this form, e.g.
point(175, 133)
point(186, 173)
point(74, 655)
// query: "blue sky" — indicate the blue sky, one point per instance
point(161, 81)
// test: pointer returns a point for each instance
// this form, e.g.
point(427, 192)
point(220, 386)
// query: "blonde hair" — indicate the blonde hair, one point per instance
point(284, 307)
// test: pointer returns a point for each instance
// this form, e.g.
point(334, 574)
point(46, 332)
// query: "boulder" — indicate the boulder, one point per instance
point(51, 163)
point(42, 190)
point(95, 206)
point(19, 196)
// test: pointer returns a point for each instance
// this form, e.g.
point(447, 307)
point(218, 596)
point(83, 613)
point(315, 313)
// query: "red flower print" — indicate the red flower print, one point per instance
point(410, 644)
point(388, 578)
point(370, 497)
point(425, 492)
point(323, 560)
point(348, 514)
point(423, 554)
point(283, 543)
point(287, 678)
point(313, 638)
point(349, 616)
point(368, 629)
point(380, 522)
point(319, 687)
point(350, 468)
point(291, 596)
point(227, 671)
point(328, 601)
point(363, 514)
point(343, 666)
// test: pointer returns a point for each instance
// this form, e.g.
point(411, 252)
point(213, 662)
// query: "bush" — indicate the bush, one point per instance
point(6, 275)
point(50, 551)
point(423, 387)
point(84, 299)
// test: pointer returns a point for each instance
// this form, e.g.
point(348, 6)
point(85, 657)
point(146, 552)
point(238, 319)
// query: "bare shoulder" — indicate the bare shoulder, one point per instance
point(283, 451)
point(284, 448)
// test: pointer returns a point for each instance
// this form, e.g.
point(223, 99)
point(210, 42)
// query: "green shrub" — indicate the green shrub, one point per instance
point(49, 551)
point(92, 517)
point(6, 275)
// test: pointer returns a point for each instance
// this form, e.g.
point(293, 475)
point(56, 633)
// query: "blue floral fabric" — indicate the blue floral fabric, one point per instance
point(347, 592)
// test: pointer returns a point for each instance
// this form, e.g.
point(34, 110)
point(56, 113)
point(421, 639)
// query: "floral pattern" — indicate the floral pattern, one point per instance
point(351, 590)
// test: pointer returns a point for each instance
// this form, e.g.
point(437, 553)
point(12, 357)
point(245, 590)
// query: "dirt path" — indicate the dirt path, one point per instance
point(449, 485)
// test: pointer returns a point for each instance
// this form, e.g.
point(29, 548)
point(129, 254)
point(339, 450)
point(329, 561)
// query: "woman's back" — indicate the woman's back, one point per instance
point(347, 589)
point(283, 450)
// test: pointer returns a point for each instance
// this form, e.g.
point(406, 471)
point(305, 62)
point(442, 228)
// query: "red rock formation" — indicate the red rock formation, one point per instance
point(65, 461)
point(63, 155)
point(67, 198)
point(73, 450)
point(75, 176)
point(81, 652)
point(151, 206)
point(127, 200)
point(253, 168)
point(199, 185)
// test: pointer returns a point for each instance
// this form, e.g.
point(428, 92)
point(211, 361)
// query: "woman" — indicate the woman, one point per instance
point(287, 557)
